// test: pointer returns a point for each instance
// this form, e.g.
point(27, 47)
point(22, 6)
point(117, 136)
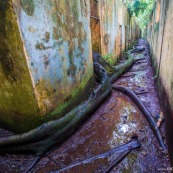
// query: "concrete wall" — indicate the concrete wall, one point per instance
point(160, 38)
point(117, 29)
point(46, 64)
point(46, 59)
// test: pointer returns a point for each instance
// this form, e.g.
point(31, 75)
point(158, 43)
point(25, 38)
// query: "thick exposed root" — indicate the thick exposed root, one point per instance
point(145, 112)
point(122, 68)
point(41, 139)
point(35, 162)
point(98, 59)
point(66, 125)
point(117, 161)
point(114, 72)
point(49, 128)
point(128, 147)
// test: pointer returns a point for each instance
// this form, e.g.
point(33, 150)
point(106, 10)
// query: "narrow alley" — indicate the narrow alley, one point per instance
point(112, 125)
point(86, 86)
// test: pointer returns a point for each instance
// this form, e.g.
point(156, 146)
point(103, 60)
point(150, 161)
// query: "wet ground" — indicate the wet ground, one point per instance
point(112, 124)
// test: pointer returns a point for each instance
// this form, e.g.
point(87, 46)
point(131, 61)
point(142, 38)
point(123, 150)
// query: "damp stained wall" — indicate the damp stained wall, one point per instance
point(46, 54)
point(112, 22)
point(46, 60)
point(95, 26)
point(160, 39)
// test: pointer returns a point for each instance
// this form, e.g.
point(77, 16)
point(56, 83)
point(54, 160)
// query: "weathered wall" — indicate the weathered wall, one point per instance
point(95, 26)
point(117, 29)
point(46, 59)
point(160, 38)
point(46, 54)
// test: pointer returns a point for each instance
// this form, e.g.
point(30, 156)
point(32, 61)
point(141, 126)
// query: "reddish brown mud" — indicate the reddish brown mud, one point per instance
point(112, 124)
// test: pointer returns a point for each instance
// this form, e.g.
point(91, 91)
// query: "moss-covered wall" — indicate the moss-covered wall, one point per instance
point(46, 54)
point(17, 99)
point(46, 60)
point(159, 36)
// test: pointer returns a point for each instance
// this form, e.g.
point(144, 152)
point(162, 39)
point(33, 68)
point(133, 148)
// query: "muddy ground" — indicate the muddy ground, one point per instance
point(112, 124)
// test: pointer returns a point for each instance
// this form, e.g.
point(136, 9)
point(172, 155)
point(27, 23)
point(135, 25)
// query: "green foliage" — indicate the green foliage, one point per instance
point(109, 58)
point(141, 10)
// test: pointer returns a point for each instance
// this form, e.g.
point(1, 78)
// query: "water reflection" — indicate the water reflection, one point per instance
point(125, 126)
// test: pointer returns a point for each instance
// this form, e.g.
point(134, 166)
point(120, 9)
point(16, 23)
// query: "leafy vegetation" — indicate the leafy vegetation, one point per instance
point(141, 10)
point(109, 58)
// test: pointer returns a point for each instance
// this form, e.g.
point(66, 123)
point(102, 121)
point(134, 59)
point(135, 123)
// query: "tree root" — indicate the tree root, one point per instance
point(144, 110)
point(41, 139)
point(34, 163)
point(122, 68)
point(98, 59)
point(129, 146)
point(114, 72)
point(117, 161)
point(61, 128)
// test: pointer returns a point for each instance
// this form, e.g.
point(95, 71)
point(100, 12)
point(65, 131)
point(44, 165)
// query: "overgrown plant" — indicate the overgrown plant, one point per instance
point(109, 58)
point(141, 10)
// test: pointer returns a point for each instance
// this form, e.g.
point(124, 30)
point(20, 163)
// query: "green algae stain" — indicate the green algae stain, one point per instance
point(28, 6)
point(18, 106)
point(40, 46)
point(68, 28)
point(72, 100)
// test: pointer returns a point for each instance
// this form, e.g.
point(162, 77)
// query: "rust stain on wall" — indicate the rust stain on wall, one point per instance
point(111, 27)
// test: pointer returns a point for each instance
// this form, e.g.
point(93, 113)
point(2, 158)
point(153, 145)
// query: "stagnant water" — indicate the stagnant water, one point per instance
point(112, 124)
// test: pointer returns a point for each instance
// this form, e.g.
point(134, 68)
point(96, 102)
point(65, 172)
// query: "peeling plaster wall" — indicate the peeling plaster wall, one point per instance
point(50, 60)
point(17, 99)
point(46, 54)
point(160, 38)
point(117, 29)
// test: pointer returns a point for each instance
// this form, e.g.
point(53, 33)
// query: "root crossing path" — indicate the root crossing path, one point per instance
point(112, 125)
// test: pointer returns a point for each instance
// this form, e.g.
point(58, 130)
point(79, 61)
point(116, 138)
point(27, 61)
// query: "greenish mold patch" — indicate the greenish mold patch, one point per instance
point(28, 6)
point(18, 106)
point(68, 29)
point(19, 109)
point(72, 100)
point(40, 46)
